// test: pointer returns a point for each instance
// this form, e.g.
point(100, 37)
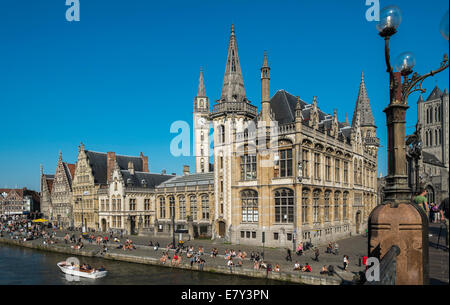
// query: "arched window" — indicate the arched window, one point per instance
point(172, 206)
point(284, 206)
point(426, 138)
point(221, 134)
point(316, 198)
point(436, 114)
point(162, 207)
point(436, 139)
point(336, 205)
point(182, 202)
point(205, 207)
point(193, 202)
point(305, 202)
point(249, 206)
point(431, 137)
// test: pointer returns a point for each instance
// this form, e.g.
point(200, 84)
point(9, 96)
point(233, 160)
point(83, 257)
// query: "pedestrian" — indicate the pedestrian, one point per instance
point(316, 254)
point(230, 264)
point(336, 249)
point(421, 201)
point(346, 262)
point(289, 257)
point(443, 208)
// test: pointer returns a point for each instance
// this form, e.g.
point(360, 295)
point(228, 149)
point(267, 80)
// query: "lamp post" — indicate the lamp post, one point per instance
point(397, 189)
point(397, 222)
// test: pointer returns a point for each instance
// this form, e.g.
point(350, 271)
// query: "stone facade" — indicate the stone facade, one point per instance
point(18, 201)
point(46, 193)
point(291, 171)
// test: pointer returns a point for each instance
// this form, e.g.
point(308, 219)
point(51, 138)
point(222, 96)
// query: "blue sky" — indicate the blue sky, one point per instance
point(121, 76)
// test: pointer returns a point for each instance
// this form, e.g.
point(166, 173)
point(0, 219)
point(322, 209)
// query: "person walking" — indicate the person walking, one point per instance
point(346, 262)
point(289, 257)
point(336, 249)
point(443, 209)
point(421, 201)
point(316, 254)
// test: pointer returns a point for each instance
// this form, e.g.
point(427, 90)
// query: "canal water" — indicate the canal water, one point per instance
point(23, 266)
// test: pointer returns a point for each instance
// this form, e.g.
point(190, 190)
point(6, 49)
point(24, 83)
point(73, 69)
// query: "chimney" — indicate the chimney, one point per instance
point(144, 163)
point(111, 160)
point(131, 167)
point(185, 170)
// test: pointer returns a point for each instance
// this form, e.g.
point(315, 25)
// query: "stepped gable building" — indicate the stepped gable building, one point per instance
point(93, 171)
point(18, 202)
point(291, 171)
point(127, 201)
point(60, 212)
point(190, 198)
point(46, 191)
point(433, 117)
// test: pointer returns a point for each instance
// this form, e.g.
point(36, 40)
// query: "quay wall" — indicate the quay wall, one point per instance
point(279, 276)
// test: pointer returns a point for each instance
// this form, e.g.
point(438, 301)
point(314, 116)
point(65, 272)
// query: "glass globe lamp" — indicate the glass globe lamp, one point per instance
point(390, 19)
point(405, 62)
point(444, 26)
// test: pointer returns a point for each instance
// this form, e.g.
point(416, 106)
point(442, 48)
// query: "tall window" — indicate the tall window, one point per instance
point(344, 205)
point(286, 163)
point(248, 167)
point(355, 172)
point(147, 221)
point(284, 206)
point(114, 204)
point(221, 134)
point(182, 201)
point(317, 166)
point(162, 207)
point(172, 206)
point(249, 206)
point(345, 172)
point(119, 204)
point(305, 199)
point(327, 205)
point(205, 207)
point(146, 204)
point(193, 201)
point(132, 204)
point(316, 198)
point(328, 168)
point(336, 206)
point(305, 161)
point(337, 170)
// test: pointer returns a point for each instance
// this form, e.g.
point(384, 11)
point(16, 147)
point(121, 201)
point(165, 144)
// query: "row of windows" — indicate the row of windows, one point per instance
point(284, 205)
point(205, 211)
point(437, 137)
point(437, 114)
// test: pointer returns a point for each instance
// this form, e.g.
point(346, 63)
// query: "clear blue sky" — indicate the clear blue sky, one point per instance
point(117, 79)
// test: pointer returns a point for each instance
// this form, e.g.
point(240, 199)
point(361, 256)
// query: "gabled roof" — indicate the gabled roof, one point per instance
point(11, 192)
point(191, 179)
point(143, 180)
point(435, 94)
point(98, 163)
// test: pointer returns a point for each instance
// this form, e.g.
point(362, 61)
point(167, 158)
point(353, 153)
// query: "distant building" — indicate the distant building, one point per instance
point(18, 202)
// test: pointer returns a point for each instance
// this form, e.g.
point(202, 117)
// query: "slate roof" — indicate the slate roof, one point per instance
point(143, 180)
point(191, 179)
point(435, 94)
point(98, 163)
point(431, 159)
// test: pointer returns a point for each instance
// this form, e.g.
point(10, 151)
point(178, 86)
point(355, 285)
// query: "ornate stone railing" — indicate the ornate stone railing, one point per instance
point(373, 141)
point(286, 128)
point(234, 107)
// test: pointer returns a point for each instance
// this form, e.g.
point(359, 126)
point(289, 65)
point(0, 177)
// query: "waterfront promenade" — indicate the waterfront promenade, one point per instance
point(355, 247)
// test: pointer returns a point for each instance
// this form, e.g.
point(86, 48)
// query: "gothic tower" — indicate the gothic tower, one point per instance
point(230, 115)
point(201, 128)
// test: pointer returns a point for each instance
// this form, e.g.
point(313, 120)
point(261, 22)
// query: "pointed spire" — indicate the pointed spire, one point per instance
point(233, 83)
point(201, 85)
point(42, 170)
point(265, 61)
point(298, 110)
point(346, 119)
point(60, 156)
point(362, 106)
point(420, 100)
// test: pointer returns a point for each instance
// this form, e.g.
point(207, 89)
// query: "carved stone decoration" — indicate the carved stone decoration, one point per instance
point(405, 226)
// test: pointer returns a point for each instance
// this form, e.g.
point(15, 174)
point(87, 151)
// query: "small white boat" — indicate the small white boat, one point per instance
point(92, 274)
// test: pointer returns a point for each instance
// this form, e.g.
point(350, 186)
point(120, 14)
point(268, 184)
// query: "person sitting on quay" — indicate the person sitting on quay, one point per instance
point(277, 268)
point(256, 265)
point(150, 244)
point(230, 264)
point(306, 268)
point(299, 251)
point(324, 270)
point(252, 256)
point(239, 263)
point(200, 250)
point(66, 238)
point(336, 248)
point(329, 248)
point(263, 265)
point(297, 266)
point(244, 255)
point(163, 258)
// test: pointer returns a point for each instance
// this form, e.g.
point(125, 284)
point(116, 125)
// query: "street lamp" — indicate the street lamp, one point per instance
point(397, 189)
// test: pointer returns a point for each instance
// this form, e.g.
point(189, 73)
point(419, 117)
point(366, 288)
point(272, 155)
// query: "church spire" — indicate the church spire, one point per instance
point(362, 106)
point(233, 83)
point(201, 85)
